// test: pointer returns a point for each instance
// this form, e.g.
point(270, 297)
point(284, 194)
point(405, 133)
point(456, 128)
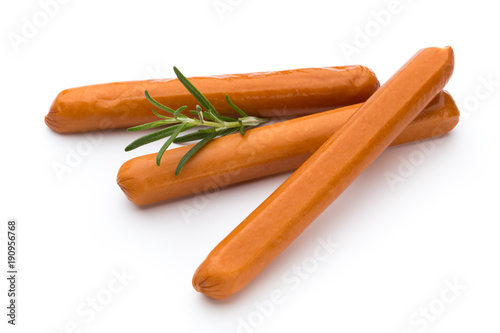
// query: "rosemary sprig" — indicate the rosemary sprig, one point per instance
point(211, 124)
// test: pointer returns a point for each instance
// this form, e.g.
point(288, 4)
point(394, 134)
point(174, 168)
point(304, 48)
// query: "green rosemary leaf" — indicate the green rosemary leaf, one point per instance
point(145, 126)
point(199, 112)
point(207, 130)
point(160, 115)
point(154, 124)
point(228, 131)
point(208, 116)
point(211, 122)
point(193, 150)
point(219, 119)
point(194, 91)
point(235, 108)
point(169, 142)
point(191, 137)
point(216, 116)
point(157, 104)
point(178, 111)
point(152, 137)
point(228, 118)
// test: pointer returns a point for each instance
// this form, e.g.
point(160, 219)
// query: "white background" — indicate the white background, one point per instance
point(399, 247)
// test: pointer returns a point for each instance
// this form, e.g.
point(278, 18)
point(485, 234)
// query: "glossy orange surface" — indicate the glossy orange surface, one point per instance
point(282, 217)
point(261, 152)
point(267, 94)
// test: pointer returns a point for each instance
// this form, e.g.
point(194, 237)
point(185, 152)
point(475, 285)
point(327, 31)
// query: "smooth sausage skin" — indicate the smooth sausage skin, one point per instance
point(261, 152)
point(266, 94)
point(281, 218)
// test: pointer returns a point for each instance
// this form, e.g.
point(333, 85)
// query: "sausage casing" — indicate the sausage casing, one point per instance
point(265, 94)
point(282, 217)
point(261, 152)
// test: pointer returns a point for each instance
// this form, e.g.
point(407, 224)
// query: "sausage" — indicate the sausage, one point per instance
point(266, 94)
point(280, 219)
point(261, 152)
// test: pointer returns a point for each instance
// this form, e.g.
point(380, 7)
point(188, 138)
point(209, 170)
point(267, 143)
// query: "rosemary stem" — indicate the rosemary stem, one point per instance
point(221, 125)
point(215, 125)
